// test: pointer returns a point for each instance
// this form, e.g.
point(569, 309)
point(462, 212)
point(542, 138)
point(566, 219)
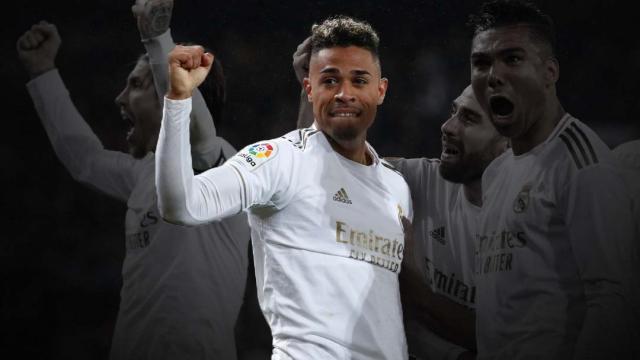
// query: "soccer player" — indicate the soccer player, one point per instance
point(447, 197)
point(182, 287)
point(324, 209)
point(552, 261)
point(446, 194)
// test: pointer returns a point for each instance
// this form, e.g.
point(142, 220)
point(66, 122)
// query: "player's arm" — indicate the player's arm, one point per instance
point(73, 141)
point(153, 18)
point(241, 182)
point(301, 67)
point(598, 217)
point(448, 319)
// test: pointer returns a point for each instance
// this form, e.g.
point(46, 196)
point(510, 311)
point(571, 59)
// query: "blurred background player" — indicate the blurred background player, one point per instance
point(553, 261)
point(182, 287)
point(324, 209)
point(447, 197)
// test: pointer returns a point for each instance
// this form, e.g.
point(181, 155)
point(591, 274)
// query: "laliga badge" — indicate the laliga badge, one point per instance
point(522, 200)
point(256, 154)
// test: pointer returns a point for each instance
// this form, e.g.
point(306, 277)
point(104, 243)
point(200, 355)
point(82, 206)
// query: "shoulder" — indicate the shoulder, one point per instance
point(256, 155)
point(629, 154)
point(576, 146)
point(413, 168)
point(389, 166)
point(300, 138)
point(392, 176)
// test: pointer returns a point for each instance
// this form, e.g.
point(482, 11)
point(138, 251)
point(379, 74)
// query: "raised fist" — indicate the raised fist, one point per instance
point(301, 59)
point(152, 16)
point(37, 48)
point(188, 67)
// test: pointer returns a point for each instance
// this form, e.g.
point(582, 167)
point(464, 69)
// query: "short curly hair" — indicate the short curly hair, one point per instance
point(499, 13)
point(344, 31)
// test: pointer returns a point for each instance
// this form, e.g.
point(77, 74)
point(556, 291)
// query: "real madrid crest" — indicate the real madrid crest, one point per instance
point(521, 202)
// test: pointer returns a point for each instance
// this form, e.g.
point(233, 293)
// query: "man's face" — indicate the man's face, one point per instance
point(469, 141)
point(141, 109)
point(512, 77)
point(345, 87)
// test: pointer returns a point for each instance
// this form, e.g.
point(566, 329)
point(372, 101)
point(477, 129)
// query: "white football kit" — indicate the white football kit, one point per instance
point(327, 237)
point(628, 156)
point(444, 224)
point(182, 286)
point(552, 264)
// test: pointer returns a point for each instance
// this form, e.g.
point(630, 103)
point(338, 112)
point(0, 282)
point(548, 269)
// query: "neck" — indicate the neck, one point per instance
point(473, 191)
point(354, 150)
point(540, 130)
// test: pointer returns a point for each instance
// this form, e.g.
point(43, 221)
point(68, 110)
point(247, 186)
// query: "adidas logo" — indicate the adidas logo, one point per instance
point(342, 196)
point(438, 234)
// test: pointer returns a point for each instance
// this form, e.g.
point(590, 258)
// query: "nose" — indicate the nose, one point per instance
point(495, 76)
point(345, 93)
point(449, 127)
point(122, 97)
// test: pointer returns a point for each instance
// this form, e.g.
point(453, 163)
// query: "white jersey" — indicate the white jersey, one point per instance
point(327, 237)
point(552, 265)
point(628, 156)
point(444, 224)
point(182, 287)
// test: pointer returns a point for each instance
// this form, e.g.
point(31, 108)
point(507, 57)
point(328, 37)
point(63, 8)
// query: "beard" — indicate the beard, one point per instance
point(469, 168)
point(346, 133)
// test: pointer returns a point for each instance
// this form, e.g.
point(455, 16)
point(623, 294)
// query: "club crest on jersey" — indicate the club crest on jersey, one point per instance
point(521, 202)
point(256, 154)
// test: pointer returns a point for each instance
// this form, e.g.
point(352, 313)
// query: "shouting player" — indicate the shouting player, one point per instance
point(182, 287)
point(553, 263)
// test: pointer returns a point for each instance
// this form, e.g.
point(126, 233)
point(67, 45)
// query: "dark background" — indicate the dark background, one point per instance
point(62, 248)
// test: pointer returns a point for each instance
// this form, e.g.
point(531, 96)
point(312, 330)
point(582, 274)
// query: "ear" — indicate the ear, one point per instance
point(306, 84)
point(383, 84)
point(552, 70)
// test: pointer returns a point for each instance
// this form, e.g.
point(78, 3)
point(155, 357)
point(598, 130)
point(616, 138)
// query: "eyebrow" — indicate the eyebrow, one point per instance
point(332, 70)
point(511, 49)
point(502, 52)
point(470, 111)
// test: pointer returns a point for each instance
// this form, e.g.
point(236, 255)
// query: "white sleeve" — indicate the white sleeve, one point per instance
point(598, 216)
point(249, 178)
point(75, 144)
point(206, 146)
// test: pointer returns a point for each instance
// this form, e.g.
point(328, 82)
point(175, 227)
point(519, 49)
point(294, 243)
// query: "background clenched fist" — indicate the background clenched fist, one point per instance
point(37, 48)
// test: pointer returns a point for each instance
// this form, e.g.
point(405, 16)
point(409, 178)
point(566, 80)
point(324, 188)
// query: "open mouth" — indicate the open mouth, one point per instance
point(501, 106)
point(129, 123)
point(126, 118)
point(449, 150)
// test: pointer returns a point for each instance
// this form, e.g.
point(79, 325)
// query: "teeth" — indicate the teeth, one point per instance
point(340, 114)
point(450, 150)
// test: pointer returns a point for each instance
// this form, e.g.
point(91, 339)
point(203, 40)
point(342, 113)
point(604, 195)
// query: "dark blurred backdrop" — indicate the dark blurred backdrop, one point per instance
point(62, 247)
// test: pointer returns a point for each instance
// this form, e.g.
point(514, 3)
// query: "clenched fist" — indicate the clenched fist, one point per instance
point(153, 16)
point(38, 47)
point(188, 67)
point(301, 59)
